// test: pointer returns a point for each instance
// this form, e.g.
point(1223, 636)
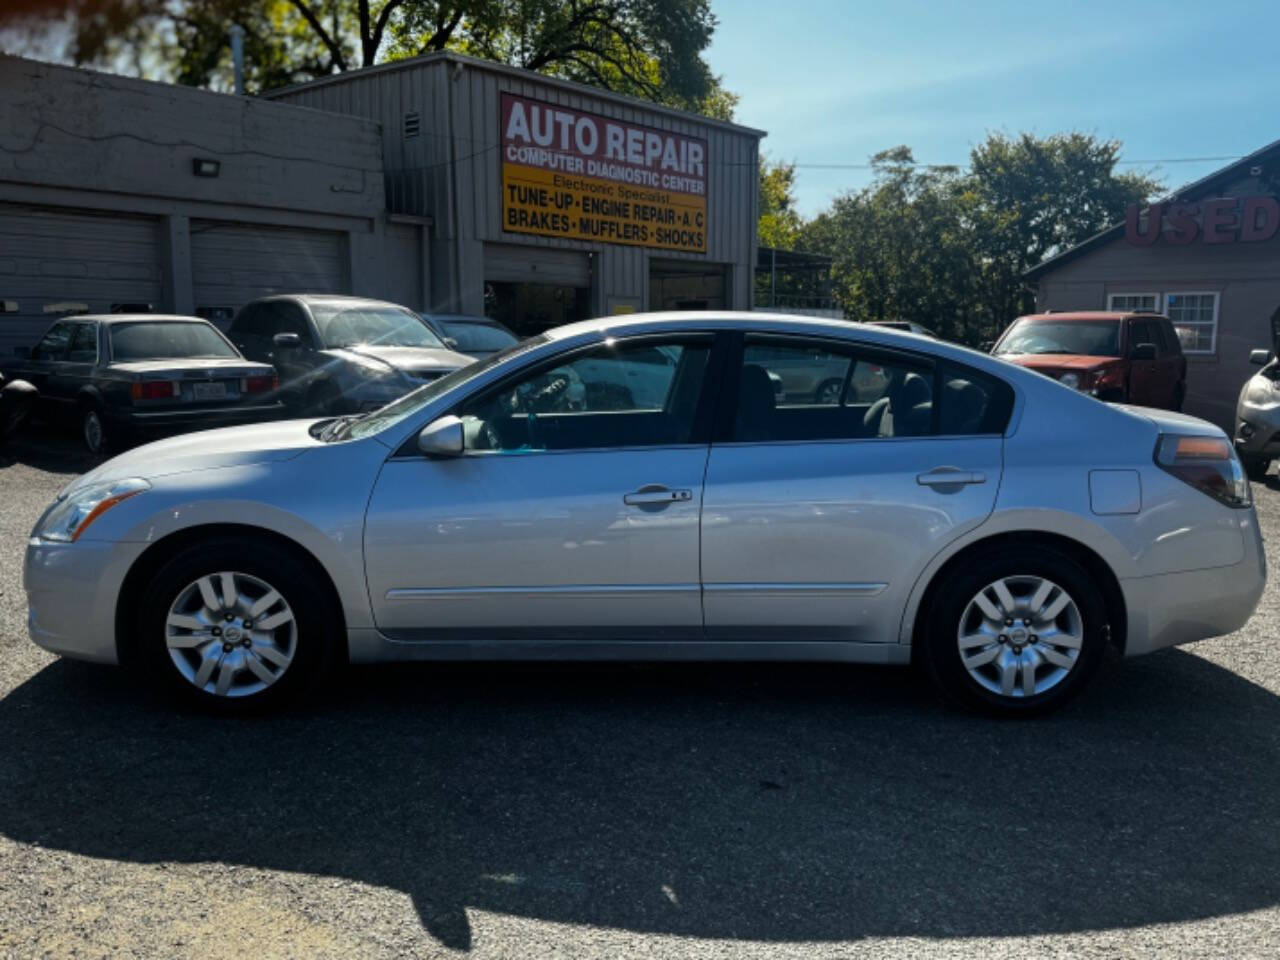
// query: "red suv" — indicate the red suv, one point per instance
point(1120, 357)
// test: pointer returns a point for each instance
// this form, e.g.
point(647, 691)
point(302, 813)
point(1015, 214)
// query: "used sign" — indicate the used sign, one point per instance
point(566, 173)
point(1220, 220)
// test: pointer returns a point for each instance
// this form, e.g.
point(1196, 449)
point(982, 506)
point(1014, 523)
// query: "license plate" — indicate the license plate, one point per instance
point(209, 391)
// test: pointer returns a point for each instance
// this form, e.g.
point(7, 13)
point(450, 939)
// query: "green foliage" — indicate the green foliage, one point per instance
point(948, 248)
point(647, 48)
point(780, 222)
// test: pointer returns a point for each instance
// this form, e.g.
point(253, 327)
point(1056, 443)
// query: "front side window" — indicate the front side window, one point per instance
point(612, 395)
point(168, 340)
point(1100, 338)
point(1195, 318)
point(53, 345)
point(796, 392)
point(346, 324)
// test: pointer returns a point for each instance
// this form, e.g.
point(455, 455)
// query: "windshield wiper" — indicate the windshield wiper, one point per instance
point(337, 428)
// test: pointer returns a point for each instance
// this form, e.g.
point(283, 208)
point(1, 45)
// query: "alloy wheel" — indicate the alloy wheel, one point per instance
point(94, 433)
point(231, 634)
point(1020, 636)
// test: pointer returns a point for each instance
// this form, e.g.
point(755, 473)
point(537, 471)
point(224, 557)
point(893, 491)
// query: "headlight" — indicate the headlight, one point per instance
point(1071, 380)
point(1260, 390)
point(71, 516)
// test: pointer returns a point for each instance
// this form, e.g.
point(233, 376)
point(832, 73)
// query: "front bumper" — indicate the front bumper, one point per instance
point(1257, 433)
point(71, 595)
point(1174, 608)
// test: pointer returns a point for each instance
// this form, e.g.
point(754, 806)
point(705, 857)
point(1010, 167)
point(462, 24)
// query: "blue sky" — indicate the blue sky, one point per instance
point(838, 81)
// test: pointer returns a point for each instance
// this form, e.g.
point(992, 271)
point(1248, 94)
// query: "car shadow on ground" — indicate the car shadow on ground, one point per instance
point(780, 803)
point(49, 447)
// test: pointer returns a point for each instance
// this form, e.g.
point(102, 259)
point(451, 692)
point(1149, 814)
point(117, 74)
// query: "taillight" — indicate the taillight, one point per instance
point(1209, 464)
point(153, 390)
point(259, 384)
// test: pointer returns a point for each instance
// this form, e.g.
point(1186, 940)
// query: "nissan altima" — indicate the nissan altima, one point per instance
point(975, 517)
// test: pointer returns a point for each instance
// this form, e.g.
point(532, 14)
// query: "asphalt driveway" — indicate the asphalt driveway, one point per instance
point(636, 810)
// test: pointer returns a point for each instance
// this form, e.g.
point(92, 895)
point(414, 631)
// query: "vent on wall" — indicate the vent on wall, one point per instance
point(412, 124)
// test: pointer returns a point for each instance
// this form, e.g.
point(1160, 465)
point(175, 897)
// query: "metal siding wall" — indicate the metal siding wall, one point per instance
point(421, 176)
point(232, 264)
point(402, 259)
point(50, 256)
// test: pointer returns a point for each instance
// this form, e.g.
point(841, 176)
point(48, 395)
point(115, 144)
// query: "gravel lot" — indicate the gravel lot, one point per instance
point(636, 811)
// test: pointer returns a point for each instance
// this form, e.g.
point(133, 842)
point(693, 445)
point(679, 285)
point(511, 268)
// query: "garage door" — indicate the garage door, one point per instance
point(49, 257)
point(233, 263)
point(519, 264)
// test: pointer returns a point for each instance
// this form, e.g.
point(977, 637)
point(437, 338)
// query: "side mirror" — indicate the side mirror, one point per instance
point(1143, 351)
point(287, 341)
point(451, 343)
point(22, 353)
point(1260, 358)
point(442, 438)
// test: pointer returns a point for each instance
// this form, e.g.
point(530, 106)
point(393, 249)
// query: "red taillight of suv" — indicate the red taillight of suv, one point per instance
point(259, 384)
point(1209, 464)
point(153, 390)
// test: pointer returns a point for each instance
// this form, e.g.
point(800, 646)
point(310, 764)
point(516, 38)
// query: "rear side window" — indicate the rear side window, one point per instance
point(84, 343)
point(820, 391)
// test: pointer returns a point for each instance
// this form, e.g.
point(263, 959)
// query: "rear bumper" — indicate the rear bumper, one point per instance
point(1175, 608)
point(178, 421)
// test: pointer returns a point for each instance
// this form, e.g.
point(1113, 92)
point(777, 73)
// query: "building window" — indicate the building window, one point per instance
point(1195, 317)
point(1147, 302)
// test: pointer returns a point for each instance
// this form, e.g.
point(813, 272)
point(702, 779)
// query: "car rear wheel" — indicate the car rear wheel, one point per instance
point(1179, 397)
point(828, 394)
point(235, 625)
point(1015, 631)
point(93, 429)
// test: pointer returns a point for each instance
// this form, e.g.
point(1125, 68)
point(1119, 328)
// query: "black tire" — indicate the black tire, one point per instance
point(941, 622)
point(316, 635)
point(1179, 397)
point(828, 385)
point(96, 436)
point(1256, 468)
point(323, 400)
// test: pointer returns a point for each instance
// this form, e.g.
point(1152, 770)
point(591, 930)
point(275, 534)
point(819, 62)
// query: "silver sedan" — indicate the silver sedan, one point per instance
point(981, 519)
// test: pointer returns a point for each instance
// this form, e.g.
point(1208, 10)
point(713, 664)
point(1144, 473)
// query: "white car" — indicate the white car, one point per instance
point(989, 522)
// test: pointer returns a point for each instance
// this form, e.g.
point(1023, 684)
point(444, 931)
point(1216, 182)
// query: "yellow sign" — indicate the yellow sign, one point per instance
point(584, 177)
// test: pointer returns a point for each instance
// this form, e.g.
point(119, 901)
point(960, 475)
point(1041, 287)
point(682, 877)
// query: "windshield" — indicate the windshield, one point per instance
point(478, 336)
point(350, 324)
point(1100, 339)
point(411, 403)
point(166, 341)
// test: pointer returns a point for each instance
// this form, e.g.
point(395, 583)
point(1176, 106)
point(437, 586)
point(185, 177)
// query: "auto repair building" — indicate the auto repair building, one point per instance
point(443, 182)
point(1207, 256)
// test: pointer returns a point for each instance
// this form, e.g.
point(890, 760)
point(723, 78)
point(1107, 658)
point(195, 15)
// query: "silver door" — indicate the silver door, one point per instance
point(543, 529)
point(817, 526)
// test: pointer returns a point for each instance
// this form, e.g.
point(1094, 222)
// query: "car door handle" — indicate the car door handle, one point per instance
point(655, 493)
point(949, 476)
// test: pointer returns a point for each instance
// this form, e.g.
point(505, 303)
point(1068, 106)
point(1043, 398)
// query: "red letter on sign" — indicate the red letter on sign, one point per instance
point(1183, 220)
point(1220, 220)
point(1155, 213)
point(1250, 231)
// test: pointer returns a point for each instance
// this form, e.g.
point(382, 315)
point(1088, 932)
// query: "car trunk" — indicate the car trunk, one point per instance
point(196, 384)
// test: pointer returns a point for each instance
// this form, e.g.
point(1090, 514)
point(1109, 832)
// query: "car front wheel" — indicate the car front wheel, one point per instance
point(233, 625)
point(1015, 631)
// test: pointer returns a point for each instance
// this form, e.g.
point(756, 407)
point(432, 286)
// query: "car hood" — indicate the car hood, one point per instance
point(209, 449)
point(409, 359)
point(1167, 421)
point(1058, 362)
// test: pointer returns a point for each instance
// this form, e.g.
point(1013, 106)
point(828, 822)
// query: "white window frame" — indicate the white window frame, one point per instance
point(1111, 299)
point(1217, 306)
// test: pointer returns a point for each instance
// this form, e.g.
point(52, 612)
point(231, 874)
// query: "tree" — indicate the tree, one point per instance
point(1030, 198)
point(948, 248)
point(780, 222)
point(647, 48)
